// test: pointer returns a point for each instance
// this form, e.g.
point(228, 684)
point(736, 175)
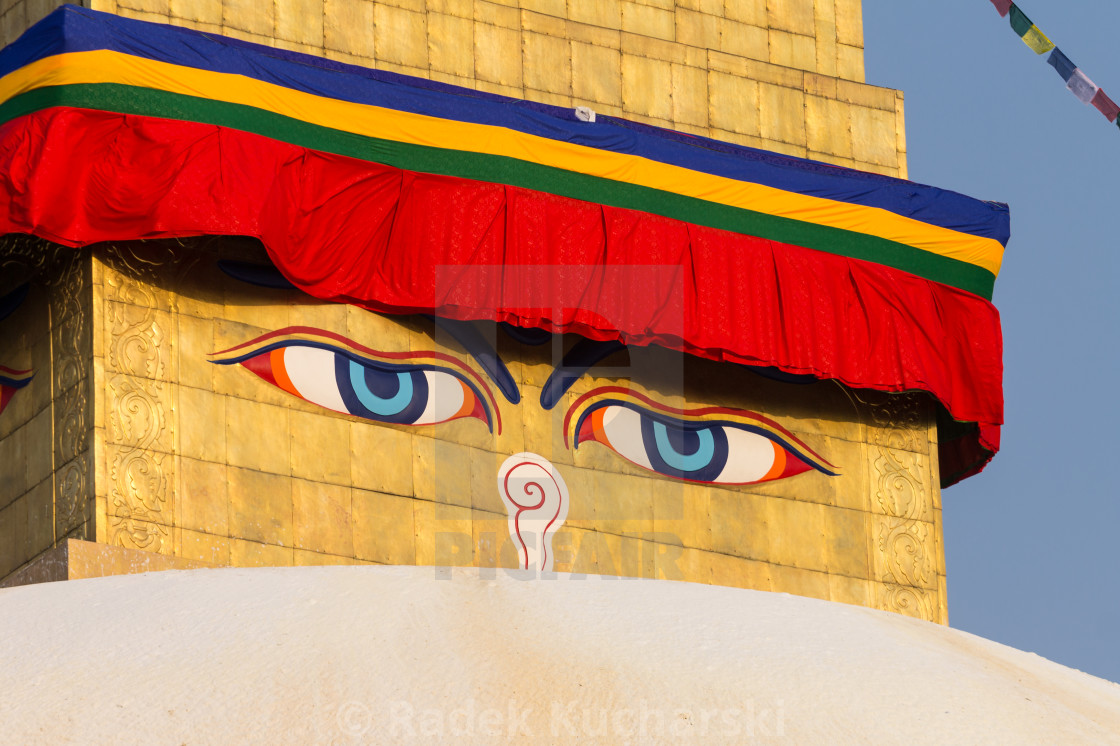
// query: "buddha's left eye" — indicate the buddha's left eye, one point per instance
point(342, 381)
point(710, 451)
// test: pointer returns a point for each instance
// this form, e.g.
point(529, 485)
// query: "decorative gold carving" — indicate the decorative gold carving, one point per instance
point(65, 272)
point(138, 355)
point(907, 567)
point(896, 420)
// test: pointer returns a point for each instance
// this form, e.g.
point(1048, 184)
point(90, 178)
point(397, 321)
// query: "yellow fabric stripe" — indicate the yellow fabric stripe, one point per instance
point(104, 66)
point(1037, 41)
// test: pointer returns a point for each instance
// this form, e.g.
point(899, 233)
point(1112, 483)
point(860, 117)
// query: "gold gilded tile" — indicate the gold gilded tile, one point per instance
point(161, 7)
point(348, 27)
point(260, 507)
point(734, 104)
point(460, 8)
point(208, 548)
point(828, 126)
point(444, 534)
point(847, 535)
point(793, 50)
point(39, 447)
point(257, 436)
point(381, 458)
point(699, 30)
point(690, 95)
point(300, 21)
point(451, 44)
point(557, 8)
point(795, 16)
point(849, 22)
point(200, 414)
point(195, 344)
point(400, 36)
point(323, 518)
point(504, 14)
point(320, 447)
point(782, 114)
point(254, 554)
point(847, 590)
point(249, 15)
point(873, 136)
point(384, 528)
point(740, 524)
point(547, 63)
point(743, 39)
point(604, 13)
point(623, 504)
point(307, 558)
point(796, 533)
point(849, 62)
point(646, 86)
point(740, 573)
point(596, 74)
point(205, 11)
point(639, 18)
point(747, 11)
point(799, 582)
point(203, 499)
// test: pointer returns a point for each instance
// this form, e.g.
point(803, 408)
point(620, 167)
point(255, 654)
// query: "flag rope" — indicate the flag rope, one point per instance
point(1078, 83)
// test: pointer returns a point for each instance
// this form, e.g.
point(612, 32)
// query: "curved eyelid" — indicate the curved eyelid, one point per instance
point(702, 417)
point(311, 337)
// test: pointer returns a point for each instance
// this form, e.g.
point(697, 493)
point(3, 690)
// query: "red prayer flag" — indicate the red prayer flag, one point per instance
point(1003, 6)
point(1106, 105)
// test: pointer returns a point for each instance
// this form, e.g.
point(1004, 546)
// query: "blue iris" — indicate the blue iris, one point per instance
point(376, 392)
point(684, 450)
point(381, 393)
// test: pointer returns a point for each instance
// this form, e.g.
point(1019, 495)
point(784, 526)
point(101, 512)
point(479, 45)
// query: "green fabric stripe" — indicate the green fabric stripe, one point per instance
point(1019, 21)
point(503, 170)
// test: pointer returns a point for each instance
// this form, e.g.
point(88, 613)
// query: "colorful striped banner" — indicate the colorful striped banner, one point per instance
point(406, 196)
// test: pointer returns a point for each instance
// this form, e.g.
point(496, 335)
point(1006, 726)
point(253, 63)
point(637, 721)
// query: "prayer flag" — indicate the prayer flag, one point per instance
point(1019, 21)
point(1032, 36)
point(1036, 40)
point(1062, 64)
point(1003, 6)
point(1080, 85)
point(1106, 105)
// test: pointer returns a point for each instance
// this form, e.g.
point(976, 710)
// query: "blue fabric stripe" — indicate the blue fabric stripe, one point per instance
point(1062, 64)
point(74, 29)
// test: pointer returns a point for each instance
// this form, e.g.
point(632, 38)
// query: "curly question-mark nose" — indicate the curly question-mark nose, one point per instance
point(536, 497)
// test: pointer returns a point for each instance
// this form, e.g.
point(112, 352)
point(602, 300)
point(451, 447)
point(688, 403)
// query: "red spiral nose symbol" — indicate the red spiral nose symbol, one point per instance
point(536, 498)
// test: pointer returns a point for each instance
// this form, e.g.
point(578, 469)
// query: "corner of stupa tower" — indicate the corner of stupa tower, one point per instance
point(129, 451)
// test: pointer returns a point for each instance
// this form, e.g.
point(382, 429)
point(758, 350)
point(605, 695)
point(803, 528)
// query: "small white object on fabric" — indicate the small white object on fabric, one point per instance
point(584, 114)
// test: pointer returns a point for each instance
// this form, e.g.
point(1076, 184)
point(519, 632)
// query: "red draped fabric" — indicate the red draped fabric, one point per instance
point(397, 241)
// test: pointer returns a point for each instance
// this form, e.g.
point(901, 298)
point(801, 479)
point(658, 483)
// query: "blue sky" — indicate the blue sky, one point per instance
point(1031, 543)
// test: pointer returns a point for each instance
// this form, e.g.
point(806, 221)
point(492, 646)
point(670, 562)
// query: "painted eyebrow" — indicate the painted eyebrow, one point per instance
point(10, 302)
point(576, 361)
point(472, 340)
point(465, 333)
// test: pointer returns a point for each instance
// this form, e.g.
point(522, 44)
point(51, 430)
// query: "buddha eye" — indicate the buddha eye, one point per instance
point(402, 393)
point(714, 451)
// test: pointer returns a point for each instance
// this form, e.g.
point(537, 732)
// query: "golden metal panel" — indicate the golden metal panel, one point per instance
point(323, 518)
point(205, 503)
point(400, 36)
point(260, 507)
point(451, 44)
point(384, 528)
point(596, 74)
